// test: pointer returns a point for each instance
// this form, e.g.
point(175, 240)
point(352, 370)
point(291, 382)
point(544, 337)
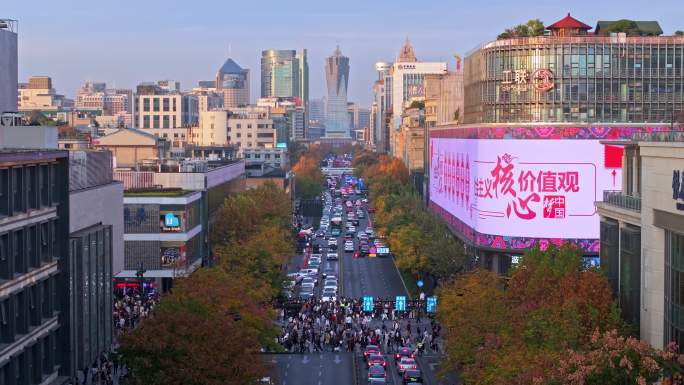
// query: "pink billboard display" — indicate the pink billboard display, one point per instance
point(522, 191)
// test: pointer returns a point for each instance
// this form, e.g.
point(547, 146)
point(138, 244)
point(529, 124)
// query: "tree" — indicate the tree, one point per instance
point(532, 28)
point(629, 27)
point(679, 33)
point(205, 332)
point(551, 304)
point(408, 245)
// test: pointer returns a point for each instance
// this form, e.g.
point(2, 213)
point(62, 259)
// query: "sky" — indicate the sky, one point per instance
point(125, 42)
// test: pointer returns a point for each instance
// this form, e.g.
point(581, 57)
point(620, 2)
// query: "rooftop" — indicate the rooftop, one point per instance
point(160, 192)
point(569, 22)
point(231, 67)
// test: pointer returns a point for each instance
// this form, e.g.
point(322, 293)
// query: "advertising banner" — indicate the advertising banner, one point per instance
point(522, 188)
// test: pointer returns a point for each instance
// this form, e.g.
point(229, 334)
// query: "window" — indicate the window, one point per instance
point(165, 104)
point(238, 135)
point(146, 121)
point(674, 288)
point(239, 125)
point(165, 121)
point(18, 252)
point(146, 104)
point(249, 126)
point(6, 335)
point(155, 121)
point(155, 105)
point(174, 108)
point(5, 267)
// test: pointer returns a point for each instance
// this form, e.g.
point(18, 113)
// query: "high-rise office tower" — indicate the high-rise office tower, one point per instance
point(8, 66)
point(337, 79)
point(285, 73)
point(233, 81)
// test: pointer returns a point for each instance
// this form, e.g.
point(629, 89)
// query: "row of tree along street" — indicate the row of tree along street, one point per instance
point(549, 321)
point(207, 330)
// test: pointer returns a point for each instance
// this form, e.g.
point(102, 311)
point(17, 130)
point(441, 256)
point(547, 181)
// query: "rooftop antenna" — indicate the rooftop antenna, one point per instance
point(230, 49)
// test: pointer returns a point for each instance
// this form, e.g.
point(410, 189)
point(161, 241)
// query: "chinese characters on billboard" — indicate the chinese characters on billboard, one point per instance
point(522, 188)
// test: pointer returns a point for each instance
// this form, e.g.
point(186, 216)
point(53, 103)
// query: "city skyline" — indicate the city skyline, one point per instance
point(106, 52)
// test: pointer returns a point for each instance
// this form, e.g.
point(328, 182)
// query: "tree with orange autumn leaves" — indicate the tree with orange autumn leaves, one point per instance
point(209, 328)
point(420, 241)
point(554, 322)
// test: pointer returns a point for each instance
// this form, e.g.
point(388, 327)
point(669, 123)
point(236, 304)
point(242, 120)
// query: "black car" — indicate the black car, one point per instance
point(412, 376)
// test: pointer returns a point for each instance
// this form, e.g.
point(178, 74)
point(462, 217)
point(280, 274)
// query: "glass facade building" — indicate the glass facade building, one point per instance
point(337, 123)
point(576, 79)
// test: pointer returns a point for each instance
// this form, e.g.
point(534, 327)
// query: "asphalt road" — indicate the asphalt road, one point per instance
point(358, 277)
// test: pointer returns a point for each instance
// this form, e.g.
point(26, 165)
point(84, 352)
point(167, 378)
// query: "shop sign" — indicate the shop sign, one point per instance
point(678, 188)
point(406, 66)
point(520, 79)
point(171, 222)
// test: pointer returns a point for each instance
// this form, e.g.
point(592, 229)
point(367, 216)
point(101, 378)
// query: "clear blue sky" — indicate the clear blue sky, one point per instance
point(123, 42)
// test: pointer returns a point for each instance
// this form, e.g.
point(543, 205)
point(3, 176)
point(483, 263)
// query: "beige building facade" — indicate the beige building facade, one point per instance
point(130, 146)
point(642, 238)
point(251, 127)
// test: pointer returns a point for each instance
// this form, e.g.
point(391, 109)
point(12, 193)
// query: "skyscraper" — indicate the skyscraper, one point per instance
point(337, 79)
point(285, 73)
point(233, 82)
point(8, 66)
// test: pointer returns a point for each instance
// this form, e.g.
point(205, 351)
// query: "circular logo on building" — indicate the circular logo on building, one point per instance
point(542, 79)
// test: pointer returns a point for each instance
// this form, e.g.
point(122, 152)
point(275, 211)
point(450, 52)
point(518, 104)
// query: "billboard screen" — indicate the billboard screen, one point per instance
point(522, 188)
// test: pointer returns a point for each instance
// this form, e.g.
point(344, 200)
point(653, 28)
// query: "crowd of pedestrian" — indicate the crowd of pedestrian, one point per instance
point(131, 306)
point(342, 325)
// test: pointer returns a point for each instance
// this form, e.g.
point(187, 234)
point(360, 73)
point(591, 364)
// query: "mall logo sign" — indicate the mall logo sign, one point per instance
point(520, 79)
point(678, 188)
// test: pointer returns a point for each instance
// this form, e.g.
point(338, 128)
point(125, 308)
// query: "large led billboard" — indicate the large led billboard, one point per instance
point(521, 188)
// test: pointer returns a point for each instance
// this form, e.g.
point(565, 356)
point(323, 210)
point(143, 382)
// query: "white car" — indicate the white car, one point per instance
point(329, 295)
point(309, 281)
point(308, 286)
point(349, 246)
point(331, 256)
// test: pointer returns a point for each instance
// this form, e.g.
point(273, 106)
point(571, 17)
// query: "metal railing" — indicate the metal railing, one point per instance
point(660, 136)
point(622, 200)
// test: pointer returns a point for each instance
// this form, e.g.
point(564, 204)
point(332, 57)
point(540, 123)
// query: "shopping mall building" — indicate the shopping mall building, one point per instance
point(531, 160)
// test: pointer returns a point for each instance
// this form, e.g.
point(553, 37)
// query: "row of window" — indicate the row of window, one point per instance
point(26, 309)
point(32, 365)
point(24, 249)
point(167, 121)
point(266, 156)
point(167, 104)
point(27, 188)
point(239, 126)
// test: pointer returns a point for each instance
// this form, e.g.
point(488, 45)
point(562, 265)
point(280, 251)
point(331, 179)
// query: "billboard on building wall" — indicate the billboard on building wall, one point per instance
point(521, 190)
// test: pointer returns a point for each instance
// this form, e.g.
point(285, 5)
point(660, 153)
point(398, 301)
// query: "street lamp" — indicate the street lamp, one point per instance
point(140, 274)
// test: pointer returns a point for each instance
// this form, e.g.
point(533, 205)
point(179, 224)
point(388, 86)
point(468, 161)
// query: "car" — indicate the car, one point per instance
point(296, 277)
point(370, 349)
point(377, 375)
point(332, 244)
point(364, 200)
point(331, 257)
point(357, 254)
point(315, 256)
point(349, 236)
point(361, 215)
point(311, 271)
point(335, 232)
point(330, 285)
point(330, 282)
point(349, 246)
point(306, 294)
point(363, 236)
point(406, 363)
point(376, 359)
point(330, 276)
point(329, 294)
point(369, 231)
point(403, 351)
point(412, 375)
point(320, 233)
point(315, 264)
point(364, 249)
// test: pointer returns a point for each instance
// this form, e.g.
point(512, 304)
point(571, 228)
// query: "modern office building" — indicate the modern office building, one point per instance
point(251, 127)
point(285, 73)
point(95, 97)
point(163, 107)
point(95, 253)
point(381, 110)
point(528, 165)
point(233, 82)
point(642, 236)
point(408, 83)
point(337, 124)
point(36, 312)
point(38, 95)
point(8, 65)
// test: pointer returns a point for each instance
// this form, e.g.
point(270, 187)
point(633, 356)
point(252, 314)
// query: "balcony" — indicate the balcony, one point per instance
point(619, 199)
